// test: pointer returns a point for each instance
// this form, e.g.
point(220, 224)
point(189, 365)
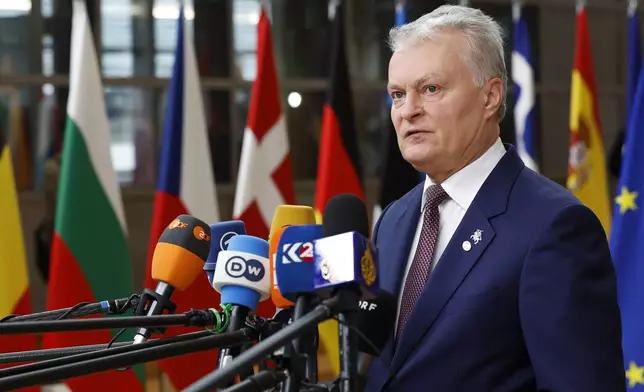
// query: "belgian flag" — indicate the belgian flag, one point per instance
point(339, 168)
point(14, 280)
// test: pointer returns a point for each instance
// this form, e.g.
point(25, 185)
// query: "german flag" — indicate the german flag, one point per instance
point(339, 168)
point(587, 160)
point(14, 281)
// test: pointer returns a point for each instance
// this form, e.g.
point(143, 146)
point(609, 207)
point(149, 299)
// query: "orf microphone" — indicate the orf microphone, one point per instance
point(346, 266)
point(242, 276)
point(376, 319)
point(178, 259)
point(221, 234)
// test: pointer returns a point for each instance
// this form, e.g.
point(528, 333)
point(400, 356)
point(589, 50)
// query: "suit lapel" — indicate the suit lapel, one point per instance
point(458, 258)
point(396, 242)
point(452, 268)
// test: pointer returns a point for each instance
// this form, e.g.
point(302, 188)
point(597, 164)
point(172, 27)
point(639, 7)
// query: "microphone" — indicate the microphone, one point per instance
point(242, 277)
point(294, 260)
point(288, 215)
point(178, 258)
point(221, 234)
point(346, 266)
point(285, 215)
point(294, 268)
point(376, 320)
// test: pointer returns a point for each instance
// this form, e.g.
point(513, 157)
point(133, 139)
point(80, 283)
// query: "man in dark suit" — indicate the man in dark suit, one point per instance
point(504, 279)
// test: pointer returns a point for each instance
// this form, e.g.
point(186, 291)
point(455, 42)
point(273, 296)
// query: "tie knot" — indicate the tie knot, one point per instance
point(435, 195)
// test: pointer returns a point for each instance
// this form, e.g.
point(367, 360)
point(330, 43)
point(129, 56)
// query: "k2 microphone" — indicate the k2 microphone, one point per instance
point(294, 274)
point(221, 234)
point(294, 260)
point(178, 259)
point(346, 266)
point(285, 215)
point(242, 276)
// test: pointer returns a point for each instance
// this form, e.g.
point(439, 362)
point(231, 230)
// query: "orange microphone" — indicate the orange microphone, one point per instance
point(178, 259)
point(285, 215)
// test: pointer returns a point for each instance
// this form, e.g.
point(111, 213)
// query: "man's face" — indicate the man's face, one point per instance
point(438, 111)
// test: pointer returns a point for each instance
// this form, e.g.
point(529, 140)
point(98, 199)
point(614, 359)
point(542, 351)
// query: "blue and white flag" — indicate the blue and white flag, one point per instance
point(524, 94)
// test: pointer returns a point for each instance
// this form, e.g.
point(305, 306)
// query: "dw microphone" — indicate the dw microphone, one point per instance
point(242, 276)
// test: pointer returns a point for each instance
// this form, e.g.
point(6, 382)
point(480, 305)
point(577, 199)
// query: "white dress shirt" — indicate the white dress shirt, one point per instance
point(461, 187)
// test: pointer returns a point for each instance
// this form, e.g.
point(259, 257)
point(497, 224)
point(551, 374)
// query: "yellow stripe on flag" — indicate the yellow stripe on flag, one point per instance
point(587, 160)
point(329, 349)
point(13, 262)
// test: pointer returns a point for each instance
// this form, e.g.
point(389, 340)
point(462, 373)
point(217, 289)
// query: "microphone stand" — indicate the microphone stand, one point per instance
point(124, 347)
point(349, 381)
point(237, 320)
point(53, 353)
point(113, 306)
point(127, 359)
point(199, 318)
point(306, 345)
point(341, 302)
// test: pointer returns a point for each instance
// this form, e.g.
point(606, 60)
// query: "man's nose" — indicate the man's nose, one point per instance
point(412, 107)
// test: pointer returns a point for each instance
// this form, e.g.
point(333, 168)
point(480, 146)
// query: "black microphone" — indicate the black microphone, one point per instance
point(178, 259)
point(376, 320)
point(346, 265)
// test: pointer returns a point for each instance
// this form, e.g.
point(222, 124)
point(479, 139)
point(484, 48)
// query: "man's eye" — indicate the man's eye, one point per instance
point(432, 89)
point(396, 95)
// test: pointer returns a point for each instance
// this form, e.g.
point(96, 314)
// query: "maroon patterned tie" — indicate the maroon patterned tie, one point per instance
point(421, 265)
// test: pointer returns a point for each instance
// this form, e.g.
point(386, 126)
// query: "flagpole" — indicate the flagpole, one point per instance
point(632, 7)
point(580, 5)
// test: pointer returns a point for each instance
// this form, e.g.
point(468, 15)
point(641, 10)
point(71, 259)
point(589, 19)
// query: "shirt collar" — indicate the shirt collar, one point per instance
point(463, 185)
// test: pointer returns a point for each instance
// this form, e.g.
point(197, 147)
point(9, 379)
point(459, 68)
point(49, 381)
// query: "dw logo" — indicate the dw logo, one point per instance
point(252, 269)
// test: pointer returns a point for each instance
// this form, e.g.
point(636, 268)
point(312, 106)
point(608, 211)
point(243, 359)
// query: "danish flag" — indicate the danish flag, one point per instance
point(265, 179)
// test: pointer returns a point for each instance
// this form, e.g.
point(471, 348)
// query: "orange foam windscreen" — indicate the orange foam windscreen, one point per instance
point(181, 252)
point(276, 296)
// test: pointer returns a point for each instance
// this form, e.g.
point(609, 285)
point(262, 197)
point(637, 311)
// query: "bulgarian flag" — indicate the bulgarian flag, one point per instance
point(587, 160)
point(14, 282)
point(186, 185)
point(90, 260)
point(338, 168)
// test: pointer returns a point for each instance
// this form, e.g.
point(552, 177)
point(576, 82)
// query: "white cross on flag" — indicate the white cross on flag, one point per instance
point(265, 179)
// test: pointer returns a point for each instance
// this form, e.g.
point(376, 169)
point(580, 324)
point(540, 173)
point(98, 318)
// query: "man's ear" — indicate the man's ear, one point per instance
point(493, 97)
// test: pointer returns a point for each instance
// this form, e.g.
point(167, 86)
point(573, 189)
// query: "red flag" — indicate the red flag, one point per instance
point(265, 178)
point(186, 185)
point(338, 170)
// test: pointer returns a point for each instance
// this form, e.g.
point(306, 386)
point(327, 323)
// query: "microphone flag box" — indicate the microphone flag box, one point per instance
point(294, 260)
point(345, 259)
point(221, 233)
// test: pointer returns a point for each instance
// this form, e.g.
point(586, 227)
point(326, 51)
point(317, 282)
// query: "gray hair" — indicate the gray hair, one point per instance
point(484, 35)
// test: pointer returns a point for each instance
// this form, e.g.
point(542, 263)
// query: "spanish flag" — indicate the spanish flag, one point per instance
point(587, 161)
point(14, 282)
point(338, 169)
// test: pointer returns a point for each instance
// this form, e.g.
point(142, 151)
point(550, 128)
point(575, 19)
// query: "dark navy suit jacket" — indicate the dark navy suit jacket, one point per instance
point(531, 307)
